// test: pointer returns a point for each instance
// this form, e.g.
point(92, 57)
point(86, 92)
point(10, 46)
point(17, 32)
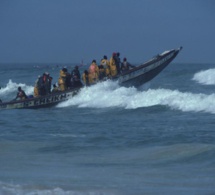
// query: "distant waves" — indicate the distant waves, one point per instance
point(205, 77)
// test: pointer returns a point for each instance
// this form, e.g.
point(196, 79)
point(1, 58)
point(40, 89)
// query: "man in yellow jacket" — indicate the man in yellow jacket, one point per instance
point(106, 66)
point(36, 87)
point(113, 69)
point(62, 79)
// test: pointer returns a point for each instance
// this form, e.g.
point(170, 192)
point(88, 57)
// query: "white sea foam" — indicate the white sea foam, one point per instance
point(11, 88)
point(109, 94)
point(12, 189)
point(205, 77)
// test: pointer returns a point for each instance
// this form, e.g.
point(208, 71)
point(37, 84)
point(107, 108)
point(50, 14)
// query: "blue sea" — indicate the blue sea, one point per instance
point(111, 140)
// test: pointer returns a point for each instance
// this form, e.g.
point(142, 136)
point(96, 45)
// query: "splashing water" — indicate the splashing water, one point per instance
point(205, 77)
point(10, 89)
point(110, 94)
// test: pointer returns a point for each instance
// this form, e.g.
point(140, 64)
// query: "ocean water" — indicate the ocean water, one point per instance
point(111, 140)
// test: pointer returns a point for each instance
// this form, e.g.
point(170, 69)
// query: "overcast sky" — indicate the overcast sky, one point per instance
point(67, 31)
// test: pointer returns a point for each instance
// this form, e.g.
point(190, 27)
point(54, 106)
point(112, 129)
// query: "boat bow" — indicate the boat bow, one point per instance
point(147, 71)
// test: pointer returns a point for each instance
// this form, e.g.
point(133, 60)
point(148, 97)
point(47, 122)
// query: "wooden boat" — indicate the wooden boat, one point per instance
point(40, 102)
point(147, 71)
point(134, 77)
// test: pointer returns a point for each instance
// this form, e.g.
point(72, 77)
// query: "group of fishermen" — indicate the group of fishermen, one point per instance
point(106, 70)
point(43, 85)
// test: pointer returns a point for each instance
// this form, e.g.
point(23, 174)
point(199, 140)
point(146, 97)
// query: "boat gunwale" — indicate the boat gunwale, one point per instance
point(40, 97)
point(148, 63)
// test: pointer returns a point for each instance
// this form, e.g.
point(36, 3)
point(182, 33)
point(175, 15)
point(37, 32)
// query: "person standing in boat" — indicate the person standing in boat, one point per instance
point(36, 87)
point(21, 94)
point(101, 72)
point(68, 83)
point(40, 85)
point(113, 69)
point(62, 79)
point(43, 85)
point(86, 78)
point(126, 66)
point(47, 83)
point(93, 72)
point(106, 66)
point(118, 62)
point(76, 77)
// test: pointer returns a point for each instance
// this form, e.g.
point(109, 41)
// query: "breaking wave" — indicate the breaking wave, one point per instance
point(205, 77)
point(110, 94)
point(14, 189)
point(10, 90)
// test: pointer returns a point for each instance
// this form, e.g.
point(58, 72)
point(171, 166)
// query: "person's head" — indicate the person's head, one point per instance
point(19, 88)
point(76, 67)
point(118, 54)
point(94, 61)
point(105, 57)
point(64, 69)
point(114, 54)
point(124, 59)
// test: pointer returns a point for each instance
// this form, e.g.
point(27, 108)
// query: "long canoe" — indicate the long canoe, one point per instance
point(134, 77)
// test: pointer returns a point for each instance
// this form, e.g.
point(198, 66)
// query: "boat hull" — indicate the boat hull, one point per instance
point(40, 102)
